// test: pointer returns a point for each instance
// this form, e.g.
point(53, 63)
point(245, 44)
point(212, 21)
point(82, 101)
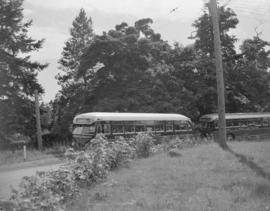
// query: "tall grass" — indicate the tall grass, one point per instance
point(203, 178)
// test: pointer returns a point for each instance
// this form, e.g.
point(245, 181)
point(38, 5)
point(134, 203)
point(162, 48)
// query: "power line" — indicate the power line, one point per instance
point(261, 10)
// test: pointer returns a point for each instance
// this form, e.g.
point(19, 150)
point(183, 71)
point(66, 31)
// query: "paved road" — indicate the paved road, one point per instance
point(13, 177)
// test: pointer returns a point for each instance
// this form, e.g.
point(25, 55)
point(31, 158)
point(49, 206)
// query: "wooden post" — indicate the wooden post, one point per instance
point(24, 153)
point(38, 125)
point(219, 75)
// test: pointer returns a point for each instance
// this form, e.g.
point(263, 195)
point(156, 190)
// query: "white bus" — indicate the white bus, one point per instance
point(87, 125)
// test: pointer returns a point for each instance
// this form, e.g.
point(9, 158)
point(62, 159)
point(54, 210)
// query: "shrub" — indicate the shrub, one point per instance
point(113, 154)
point(120, 153)
point(144, 142)
point(46, 190)
point(176, 143)
point(87, 167)
point(51, 190)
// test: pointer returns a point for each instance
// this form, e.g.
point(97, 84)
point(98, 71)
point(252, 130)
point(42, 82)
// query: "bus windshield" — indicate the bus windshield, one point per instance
point(83, 130)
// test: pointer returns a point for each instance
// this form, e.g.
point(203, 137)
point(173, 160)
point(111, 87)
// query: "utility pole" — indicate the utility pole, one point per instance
point(219, 74)
point(38, 125)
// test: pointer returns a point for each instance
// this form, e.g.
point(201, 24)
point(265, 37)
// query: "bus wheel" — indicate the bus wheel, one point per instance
point(230, 137)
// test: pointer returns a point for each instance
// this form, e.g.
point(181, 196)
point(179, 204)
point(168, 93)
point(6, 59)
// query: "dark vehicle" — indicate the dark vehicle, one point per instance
point(237, 125)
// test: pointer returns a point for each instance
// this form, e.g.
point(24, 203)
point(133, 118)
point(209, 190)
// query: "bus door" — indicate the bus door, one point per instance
point(98, 128)
point(104, 128)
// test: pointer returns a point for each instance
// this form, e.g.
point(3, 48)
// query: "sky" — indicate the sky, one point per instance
point(52, 21)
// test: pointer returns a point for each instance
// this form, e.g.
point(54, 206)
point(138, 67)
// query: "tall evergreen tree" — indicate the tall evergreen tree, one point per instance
point(73, 88)
point(246, 74)
point(17, 72)
point(81, 37)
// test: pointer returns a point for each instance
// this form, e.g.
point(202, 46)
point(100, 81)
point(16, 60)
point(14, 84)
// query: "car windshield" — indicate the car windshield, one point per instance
point(83, 130)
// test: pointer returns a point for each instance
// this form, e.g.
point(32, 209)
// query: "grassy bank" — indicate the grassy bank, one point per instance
point(203, 178)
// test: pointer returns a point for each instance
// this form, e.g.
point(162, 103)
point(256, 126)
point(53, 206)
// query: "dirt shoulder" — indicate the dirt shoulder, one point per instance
point(28, 164)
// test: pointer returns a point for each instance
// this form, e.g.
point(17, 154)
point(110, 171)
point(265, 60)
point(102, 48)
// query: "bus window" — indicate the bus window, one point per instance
point(159, 127)
point(243, 124)
point(99, 128)
point(254, 123)
point(232, 123)
point(229, 123)
point(117, 129)
point(203, 124)
point(88, 130)
point(77, 130)
point(106, 128)
point(150, 128)
point(169, 126)
point(149, 123)
point(265, 122)
point(139, 128)
point(83, 130)
point(129, 129)
point(179, 125)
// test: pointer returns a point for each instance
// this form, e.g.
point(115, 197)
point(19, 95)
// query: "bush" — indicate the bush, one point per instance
point(144, 142)
point(46, 190)
point(87, 167)
point(121, 153)
point(53, 189)
point(176, 143)
point(114, 154)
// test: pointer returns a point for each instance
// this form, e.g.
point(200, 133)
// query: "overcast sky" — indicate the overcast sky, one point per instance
point(52, 20)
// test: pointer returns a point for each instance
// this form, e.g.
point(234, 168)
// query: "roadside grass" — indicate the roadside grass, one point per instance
point(16, 156)
point(203, 178)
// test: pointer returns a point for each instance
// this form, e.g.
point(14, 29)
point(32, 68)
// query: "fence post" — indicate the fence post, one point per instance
point(24, 152)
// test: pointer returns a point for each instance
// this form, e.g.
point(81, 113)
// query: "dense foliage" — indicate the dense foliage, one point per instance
point(129, 69)
point(73, 90)
point(132, 69)
point(17, 72)
point(56, 189)
point(52, 190)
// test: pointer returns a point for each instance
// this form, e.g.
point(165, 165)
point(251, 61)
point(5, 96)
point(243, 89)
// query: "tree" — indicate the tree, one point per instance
point(17, 73)
point(124, 81)
point(81, 37)
point(73, 88)
point(204, 46)
point(132, 69)
point(126, 70)
point(246, 73)
point(250, 78)
point(186, 74)
point(137, 74)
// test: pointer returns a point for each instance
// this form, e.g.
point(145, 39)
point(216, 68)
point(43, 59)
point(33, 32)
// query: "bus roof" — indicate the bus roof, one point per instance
point(88, 118)
point(213, 117)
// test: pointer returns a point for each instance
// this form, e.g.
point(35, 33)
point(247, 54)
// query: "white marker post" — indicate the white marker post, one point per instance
point(24, 152)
